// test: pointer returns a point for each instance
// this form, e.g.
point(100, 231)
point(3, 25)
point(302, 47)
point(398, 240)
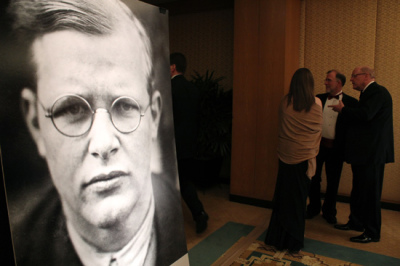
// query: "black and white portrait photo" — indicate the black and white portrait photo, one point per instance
point(87, 140)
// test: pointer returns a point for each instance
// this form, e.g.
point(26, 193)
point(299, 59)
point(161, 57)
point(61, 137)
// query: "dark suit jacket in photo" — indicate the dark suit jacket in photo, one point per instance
point(370, 135)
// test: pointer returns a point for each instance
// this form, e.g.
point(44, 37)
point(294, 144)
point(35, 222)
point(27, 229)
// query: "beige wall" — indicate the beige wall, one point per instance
point(334, 34)
point(348, 34)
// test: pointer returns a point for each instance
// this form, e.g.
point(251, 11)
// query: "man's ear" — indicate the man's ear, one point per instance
point(155, 112)
point(30, 113)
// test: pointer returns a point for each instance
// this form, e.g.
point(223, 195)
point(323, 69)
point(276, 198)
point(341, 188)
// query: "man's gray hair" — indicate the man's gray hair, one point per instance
point(369, 71)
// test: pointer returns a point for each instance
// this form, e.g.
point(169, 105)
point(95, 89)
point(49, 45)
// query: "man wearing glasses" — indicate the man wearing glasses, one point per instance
point(370, 146)
point(94, 116)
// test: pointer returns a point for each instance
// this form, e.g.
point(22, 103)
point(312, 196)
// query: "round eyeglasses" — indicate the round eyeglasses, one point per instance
point(73, 116)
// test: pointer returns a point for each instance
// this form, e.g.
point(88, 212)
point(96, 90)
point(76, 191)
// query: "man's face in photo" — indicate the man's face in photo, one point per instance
point(104, 175)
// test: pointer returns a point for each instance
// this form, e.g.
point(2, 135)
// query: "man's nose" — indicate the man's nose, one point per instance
point(103, 136)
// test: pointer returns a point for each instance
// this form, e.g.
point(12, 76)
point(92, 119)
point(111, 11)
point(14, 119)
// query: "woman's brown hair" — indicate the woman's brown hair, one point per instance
point(301, 91)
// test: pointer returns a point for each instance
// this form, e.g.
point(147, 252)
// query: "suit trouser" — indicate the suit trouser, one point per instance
point(186, 168)
point(333, 170)
point(365, 198)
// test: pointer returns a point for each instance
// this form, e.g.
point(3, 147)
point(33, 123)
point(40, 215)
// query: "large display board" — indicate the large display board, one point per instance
point(87, 140)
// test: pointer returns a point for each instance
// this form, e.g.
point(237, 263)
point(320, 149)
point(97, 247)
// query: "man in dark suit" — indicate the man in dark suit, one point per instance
point(331, 151)
point(370, 146)
point(185, 101)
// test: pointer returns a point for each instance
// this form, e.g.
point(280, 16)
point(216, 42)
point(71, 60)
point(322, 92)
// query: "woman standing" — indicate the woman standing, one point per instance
point(300, 127)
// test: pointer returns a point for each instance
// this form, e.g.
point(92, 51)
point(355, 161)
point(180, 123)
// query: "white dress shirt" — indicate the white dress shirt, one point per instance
point(330, 117)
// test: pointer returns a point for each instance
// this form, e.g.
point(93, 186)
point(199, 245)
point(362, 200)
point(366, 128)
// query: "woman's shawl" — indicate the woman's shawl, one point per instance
point(299, 135)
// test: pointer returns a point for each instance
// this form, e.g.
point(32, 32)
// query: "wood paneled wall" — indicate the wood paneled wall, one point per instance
point(266, 54)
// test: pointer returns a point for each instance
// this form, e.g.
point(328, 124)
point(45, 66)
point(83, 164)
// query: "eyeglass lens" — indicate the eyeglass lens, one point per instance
point(73, 116)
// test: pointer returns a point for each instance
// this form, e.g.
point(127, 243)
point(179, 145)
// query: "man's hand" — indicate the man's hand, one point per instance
point(338, 107)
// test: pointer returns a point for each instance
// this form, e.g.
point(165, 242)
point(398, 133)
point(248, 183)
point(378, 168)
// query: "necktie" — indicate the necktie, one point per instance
point(336, 96)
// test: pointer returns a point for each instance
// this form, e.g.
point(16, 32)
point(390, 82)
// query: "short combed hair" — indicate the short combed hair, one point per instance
point(179, 60)
point(301, 91)
point(34, 18)
point(339, 76)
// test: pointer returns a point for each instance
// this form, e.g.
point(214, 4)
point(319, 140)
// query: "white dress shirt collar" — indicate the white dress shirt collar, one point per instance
point(368, 85)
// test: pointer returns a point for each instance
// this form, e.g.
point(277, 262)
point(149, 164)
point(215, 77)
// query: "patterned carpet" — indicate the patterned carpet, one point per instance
point(237, 244)
point(260, 254)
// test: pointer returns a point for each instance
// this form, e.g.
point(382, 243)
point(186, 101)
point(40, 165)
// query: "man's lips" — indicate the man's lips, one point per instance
point(104, 178)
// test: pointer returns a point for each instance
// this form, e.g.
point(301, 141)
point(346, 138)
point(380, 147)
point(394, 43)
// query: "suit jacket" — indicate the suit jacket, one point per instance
point(185, 100)
point(370, 135)
point(41, 237)
point(341, 127)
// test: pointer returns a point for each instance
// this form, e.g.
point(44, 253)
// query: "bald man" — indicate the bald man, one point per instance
point(371, 146)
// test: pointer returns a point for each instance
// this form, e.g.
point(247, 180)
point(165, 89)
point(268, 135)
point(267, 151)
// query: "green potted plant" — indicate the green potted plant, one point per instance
point(215, 126)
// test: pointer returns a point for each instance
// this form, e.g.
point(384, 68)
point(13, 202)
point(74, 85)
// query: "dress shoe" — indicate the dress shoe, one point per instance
point(348, 226)
point(330, 219)
point(201, 222)
point(363, 238)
